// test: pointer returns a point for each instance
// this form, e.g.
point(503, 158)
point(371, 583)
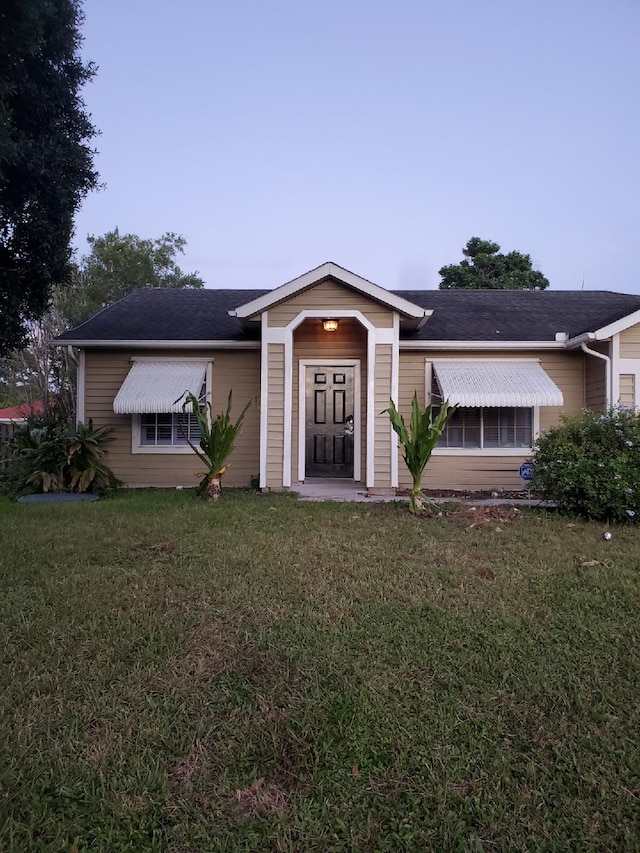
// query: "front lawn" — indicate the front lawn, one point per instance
point(264, 674)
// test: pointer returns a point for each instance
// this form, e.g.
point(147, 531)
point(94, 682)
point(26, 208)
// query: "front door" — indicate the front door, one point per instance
point(329, 421)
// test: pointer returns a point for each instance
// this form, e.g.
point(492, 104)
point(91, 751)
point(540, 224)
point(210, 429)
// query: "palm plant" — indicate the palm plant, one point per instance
point(85, 469)
point(418, 441)
point(218, 436)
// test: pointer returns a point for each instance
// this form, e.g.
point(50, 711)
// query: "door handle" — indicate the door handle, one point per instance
point(348, 425)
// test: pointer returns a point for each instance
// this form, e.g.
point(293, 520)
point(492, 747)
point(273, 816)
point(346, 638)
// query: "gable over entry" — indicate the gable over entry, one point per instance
point(328, 292)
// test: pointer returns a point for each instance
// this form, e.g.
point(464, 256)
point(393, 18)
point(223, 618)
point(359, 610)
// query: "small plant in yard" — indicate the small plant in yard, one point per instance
point(418, 441)
point(590, 465)
point(218, 436)
point(51, 454)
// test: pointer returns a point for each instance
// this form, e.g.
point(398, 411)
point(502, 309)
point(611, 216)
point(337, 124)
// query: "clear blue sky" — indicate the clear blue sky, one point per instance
point(279, 134)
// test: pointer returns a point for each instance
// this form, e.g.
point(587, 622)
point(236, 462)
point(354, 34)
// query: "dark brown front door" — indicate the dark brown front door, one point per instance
point(329, 421)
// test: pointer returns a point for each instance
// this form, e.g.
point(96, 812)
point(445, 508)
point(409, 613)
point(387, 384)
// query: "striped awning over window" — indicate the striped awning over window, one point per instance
point(496, 383)
point(159, 386)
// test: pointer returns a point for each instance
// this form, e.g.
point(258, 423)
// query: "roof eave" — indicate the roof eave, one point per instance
point(159, 344)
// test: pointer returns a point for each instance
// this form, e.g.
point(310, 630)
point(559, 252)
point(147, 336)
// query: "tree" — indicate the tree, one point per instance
point(46, 164)
point(488, 269)
point(115, 266)
point(118, 264)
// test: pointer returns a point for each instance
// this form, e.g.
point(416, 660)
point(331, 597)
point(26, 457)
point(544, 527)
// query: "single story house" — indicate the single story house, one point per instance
point(321, 356)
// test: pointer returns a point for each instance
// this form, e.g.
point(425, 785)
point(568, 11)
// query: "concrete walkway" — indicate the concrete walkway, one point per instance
point(349, 490)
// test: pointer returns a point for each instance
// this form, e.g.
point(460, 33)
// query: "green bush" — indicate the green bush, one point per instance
point(49, 453)
point(590, 465)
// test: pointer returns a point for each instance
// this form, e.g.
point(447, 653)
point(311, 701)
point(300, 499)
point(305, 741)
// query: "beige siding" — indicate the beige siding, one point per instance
point(330, 295)
point(486, 472)
point(630, 342)
point(595, 378)
point(627, 389)
point(382, 428)
point(311, 341)
point(240, 372)
point(105, 372)
point(275, 416)
point(567, 369)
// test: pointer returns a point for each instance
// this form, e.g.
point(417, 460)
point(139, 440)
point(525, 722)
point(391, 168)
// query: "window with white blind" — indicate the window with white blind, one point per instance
point(489, 427)
point(169, 430)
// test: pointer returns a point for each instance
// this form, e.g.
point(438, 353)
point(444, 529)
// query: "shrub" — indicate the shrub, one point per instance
point(49, 453)
point(590, 465)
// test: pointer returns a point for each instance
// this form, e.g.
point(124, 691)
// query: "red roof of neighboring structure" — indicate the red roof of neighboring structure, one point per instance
point(19, 413)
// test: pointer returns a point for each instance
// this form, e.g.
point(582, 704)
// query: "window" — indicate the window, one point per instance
point(489, 427)
point(169, 430)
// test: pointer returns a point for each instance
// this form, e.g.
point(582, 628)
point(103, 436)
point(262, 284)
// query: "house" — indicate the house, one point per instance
point(322, 355)
point(15, 415)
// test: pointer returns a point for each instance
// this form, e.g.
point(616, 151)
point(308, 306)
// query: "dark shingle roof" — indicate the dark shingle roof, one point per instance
point(517, 315)
point(162, 314)
point(480, 315)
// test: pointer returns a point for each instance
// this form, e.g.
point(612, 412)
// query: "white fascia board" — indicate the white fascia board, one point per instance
point(161, 344)
point(356, 282)
point(481, 345)
point(606, 332)
point(617, 327)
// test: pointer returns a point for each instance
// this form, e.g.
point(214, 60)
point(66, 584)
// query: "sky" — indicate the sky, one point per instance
point(275, 135)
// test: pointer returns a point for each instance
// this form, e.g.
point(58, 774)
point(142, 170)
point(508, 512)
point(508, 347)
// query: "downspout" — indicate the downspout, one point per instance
point(608, 382)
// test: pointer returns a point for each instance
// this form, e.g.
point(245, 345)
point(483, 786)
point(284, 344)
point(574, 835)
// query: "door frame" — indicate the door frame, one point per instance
point(302, 410)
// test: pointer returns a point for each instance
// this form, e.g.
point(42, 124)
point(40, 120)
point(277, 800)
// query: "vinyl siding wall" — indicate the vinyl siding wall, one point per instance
point(105, 373)
point(382, 427)
point(486, 471)
point(275, 417)
point(331, 296)
point(630, 342)
point(595, 378)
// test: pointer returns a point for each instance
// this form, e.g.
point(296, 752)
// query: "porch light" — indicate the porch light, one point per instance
point(330, 325)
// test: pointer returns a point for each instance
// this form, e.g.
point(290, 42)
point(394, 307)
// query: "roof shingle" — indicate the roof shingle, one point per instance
point(476, 315)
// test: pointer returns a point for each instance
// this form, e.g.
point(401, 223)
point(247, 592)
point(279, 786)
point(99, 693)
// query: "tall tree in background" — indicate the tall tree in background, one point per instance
point(46, 164)
point(486, 268)
point(118, 264)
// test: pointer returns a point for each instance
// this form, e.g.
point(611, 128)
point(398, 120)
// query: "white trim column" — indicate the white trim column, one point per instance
point(615, 372)
point(395, 391)
point(264, 398)
point(81, 380)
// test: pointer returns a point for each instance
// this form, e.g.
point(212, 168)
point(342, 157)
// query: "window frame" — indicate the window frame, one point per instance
point(482, 451)
point(137, 447)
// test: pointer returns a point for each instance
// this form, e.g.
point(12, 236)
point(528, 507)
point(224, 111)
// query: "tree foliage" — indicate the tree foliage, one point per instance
point(46, 164)
point(118, 264)
point(486, 268)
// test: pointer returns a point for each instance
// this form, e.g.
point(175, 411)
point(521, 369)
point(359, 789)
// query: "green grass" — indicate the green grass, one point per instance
point(263, 674)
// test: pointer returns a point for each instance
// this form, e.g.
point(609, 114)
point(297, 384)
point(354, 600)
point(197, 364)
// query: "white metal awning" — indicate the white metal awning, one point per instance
point(159, 386)
point(496, 383)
